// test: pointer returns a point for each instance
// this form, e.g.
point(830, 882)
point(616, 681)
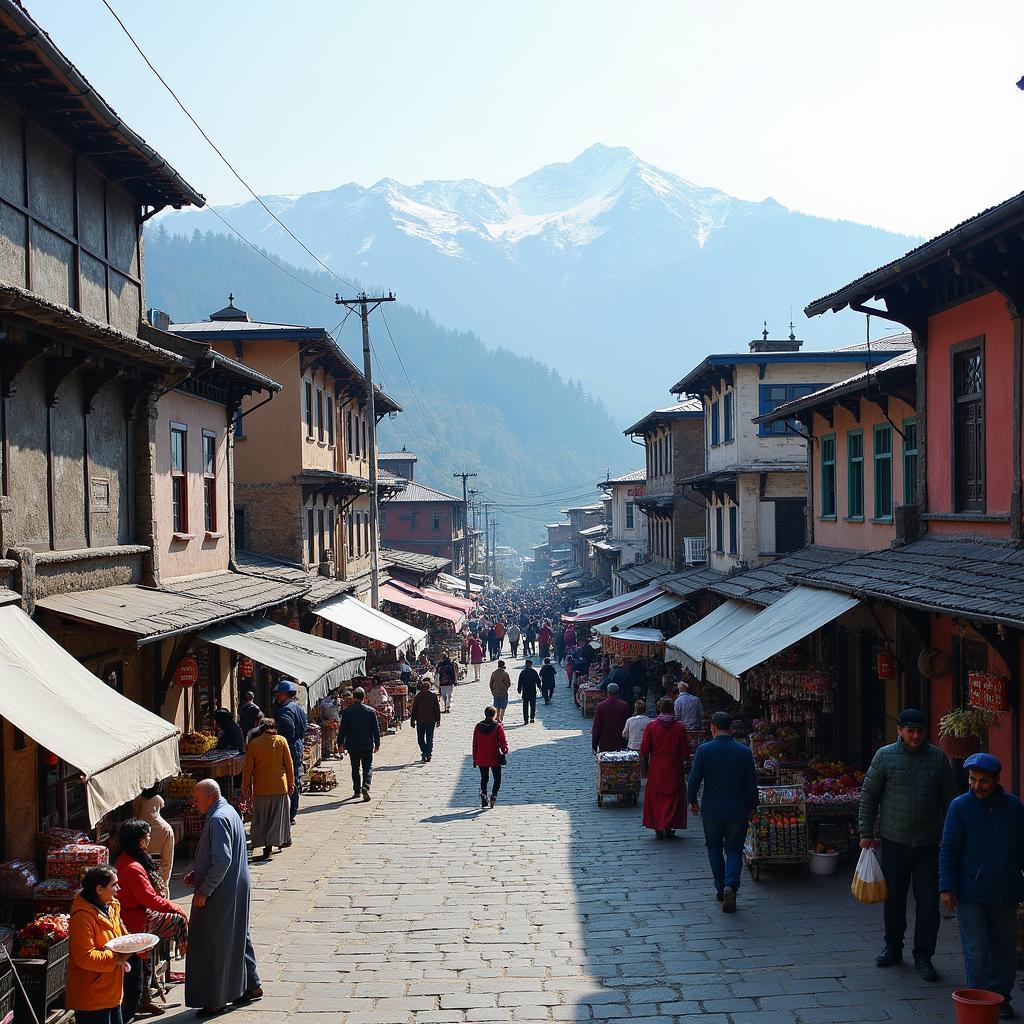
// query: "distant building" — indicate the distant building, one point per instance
point(427, 521)
point(401, 463)
point(627, 540)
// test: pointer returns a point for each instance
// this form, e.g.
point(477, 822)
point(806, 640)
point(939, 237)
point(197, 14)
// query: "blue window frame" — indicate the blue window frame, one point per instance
point(728, 432)
point(716, 431)
point(719, 532)
point(733, 528)
point(771, 396)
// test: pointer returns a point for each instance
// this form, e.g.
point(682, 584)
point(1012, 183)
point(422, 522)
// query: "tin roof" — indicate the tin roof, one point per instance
point(765, 584)
point(420, 492)
point(689, 408)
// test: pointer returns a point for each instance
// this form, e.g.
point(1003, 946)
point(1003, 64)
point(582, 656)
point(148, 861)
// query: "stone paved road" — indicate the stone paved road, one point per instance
point(420, 908)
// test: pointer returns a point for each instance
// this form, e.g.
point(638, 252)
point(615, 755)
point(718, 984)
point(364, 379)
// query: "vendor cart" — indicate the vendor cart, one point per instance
point(590, 697)
point(618, 773)
point(778, 832)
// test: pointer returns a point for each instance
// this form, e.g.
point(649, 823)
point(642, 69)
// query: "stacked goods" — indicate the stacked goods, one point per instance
point(832, 782)
point(322, 780)
point(781, 833)
point(181, 786)
point(52, 838)
point(193, 820)
point(70, 862)
point(619, 769)
point(590, 698)
point(17, 880)
point(313, 735)
point(195, 743)
point(40, 934)
point(54, 896)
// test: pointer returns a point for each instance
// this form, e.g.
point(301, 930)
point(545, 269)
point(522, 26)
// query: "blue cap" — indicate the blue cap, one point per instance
point(286, 686)
point(984, 763)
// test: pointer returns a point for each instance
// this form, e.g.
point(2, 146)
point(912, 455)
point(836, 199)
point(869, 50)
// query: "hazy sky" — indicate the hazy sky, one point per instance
point(901, 113)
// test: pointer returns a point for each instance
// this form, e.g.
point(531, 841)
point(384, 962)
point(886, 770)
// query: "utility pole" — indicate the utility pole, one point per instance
point(473, 507)
point(465, 526)
point(487, 538)
point(366, 306)
point(494, 548)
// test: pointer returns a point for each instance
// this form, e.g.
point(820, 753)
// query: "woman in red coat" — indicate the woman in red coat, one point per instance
point(476, 657)
point(489, 750)
point(663, 749)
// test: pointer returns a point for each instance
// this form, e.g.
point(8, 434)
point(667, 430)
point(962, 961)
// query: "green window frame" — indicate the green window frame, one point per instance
point(855, 474)
point(828, 476)
point(910, 453)
point(882, 455)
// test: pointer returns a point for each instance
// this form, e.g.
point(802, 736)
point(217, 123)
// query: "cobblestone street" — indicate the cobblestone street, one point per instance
point(421, 907)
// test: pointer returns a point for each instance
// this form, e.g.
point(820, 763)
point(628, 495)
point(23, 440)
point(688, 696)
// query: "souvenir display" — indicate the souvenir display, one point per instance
point(618, 772)
point(778, 831)
point(70, 862)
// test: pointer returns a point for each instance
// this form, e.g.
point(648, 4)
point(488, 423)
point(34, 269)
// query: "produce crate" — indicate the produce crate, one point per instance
point(44, 981)
point(589, 699)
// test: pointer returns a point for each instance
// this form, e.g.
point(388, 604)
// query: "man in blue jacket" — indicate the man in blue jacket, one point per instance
point(292, 724)
point(726, 767)
point(359, 734)
point(980, 864)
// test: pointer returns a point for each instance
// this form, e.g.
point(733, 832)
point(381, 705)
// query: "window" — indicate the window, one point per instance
point(321, 527)
point(330, 530)
point(366, 446)
point(179, 477)
point(910, 462)
point(719, 536)
point(969, 430)
point(437, 521)
point(329, 416)
point(883, 471)
point(366, 531)
point(349, 434)
point(210, 480)
point(310, 538)
point(855, 474)
point(630, 516)
point(351, 538)
point(733, 528)
point(715, 426)
point(319, 414)
point(307, 406)
point(771, 396)
point(239, 426)
point(828, 477)
point(727, 427)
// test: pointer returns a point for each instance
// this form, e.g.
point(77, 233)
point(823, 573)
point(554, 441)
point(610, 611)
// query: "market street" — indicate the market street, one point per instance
point(421, 907)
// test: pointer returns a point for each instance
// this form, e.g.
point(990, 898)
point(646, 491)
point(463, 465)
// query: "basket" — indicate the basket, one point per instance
point(44, 981)
point(322, 780)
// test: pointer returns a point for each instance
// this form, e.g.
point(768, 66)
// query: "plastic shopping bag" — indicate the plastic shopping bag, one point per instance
point(868, 881)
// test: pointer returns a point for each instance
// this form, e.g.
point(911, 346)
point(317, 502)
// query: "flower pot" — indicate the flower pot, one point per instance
point(976, 1006)
point(824, 863)
point(956, 748)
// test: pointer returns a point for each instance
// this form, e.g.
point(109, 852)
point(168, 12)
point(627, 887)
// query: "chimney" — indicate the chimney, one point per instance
point(766, 344)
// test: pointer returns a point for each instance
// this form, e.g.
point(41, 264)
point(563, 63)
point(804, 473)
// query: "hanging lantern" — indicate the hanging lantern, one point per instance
point(186, 675)
point(293, 622)
point(246, 669)
point(886, 666)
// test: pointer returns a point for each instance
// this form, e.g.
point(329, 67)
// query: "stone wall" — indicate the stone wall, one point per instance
point(273, 519)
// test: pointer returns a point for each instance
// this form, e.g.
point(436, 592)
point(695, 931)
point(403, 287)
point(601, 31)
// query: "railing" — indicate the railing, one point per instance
point(696, 550)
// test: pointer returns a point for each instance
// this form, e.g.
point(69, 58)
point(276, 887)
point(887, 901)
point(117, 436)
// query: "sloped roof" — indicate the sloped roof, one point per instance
point(633, 476)
point(642, 572)
point(420, 492)
point(402, 456)
point(765, 584)
point(690, 581)
point(415, 562)
point(689, 408)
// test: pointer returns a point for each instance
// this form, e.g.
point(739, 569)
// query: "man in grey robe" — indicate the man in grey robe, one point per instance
point(220, 966)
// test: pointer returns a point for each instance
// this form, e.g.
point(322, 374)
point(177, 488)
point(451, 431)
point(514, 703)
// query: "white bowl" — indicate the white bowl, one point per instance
point(137, 943)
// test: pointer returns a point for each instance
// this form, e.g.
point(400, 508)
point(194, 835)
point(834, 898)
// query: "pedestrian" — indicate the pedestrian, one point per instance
point(500, 683)
point(725, 767)
point(637, 678)
point(688, 708)
point(633, 730)
point(489, 749)
point(476, 657)
point(144, 908)
point(527, 687)
point(405, 671)
point(559, 644)
point(447, 676)
point(544, 639)
point(96, 975)
point(499, 637)
point(981, 861)
point(425, 717)
point(229, 733)
point(220, 966)
point(359, 734)
point(269, 775)
point(514, 635)
point(547, 680)
point(292, 724)
point(147, 806)
point(530, 638)
point(908, 786)
point(492, 643)
point(619, 675)
point(569, 640)
point(249, 713)
point(423, 664)
point(664, 749)
point(609, 721)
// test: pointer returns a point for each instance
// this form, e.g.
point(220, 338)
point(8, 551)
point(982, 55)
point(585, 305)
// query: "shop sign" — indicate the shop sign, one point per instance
point(632, 648)
point(246, 669)
point(636, 492)
point(987, 691)
point(886, 666)
point(187, 672)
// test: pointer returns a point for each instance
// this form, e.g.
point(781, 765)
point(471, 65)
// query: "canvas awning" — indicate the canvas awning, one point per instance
point(688, 647)
point(462, 604)
point(119, 747)
point(318, 664)
point(420, 603)
point(457, 585)
point(794, 616)
point(613, 606)
point(643, 613)
point(571, 585)
point(351, 613)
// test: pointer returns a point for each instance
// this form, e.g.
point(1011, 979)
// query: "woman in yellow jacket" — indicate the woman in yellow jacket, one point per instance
point(271, 777)
point(96, 974)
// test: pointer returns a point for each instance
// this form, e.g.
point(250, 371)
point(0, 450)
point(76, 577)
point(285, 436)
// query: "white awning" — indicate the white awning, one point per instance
point(119, 747)
point(794, 616)
point(688, 647)
point(602, 610)
point(351, 613)
point(319, 664)
point(456, 585)
point(633, 617)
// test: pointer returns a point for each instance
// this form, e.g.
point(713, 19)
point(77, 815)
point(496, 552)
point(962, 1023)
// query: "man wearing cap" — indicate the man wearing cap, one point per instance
point(980, 864)
point(726, 768)
point(292, 724)
point(359, 734)
point(908, 788)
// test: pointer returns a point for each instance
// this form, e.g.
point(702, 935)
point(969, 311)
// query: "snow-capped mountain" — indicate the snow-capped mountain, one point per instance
point(607, 268)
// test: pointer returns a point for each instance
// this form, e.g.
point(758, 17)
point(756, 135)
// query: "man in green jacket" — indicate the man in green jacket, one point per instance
point(908, 787)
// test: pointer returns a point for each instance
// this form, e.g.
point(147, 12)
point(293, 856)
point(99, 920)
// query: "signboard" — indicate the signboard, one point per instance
point(987, 691)
point(246, 669)
point(635, 492)
point(187, 672)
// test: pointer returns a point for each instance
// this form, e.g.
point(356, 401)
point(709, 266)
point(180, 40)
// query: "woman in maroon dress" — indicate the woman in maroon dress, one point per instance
point(663, 749)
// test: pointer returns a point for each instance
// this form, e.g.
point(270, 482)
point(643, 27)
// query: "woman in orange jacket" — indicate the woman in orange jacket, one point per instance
point(96, 974)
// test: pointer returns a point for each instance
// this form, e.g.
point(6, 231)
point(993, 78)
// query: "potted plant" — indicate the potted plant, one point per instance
point(961, 730)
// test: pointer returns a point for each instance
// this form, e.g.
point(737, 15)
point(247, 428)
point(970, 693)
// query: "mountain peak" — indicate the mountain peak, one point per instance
point(555, 187)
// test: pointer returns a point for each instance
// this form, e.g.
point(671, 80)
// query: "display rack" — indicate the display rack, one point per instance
point(778, 832)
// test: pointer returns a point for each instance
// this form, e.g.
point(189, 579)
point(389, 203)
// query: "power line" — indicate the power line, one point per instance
point(216, 148)
point(415, 394)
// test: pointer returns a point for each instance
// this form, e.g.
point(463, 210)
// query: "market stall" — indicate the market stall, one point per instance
point(688, 647)
point(362, 621)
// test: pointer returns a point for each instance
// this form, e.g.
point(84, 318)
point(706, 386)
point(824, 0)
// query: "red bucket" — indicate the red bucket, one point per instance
point(976, 1006)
